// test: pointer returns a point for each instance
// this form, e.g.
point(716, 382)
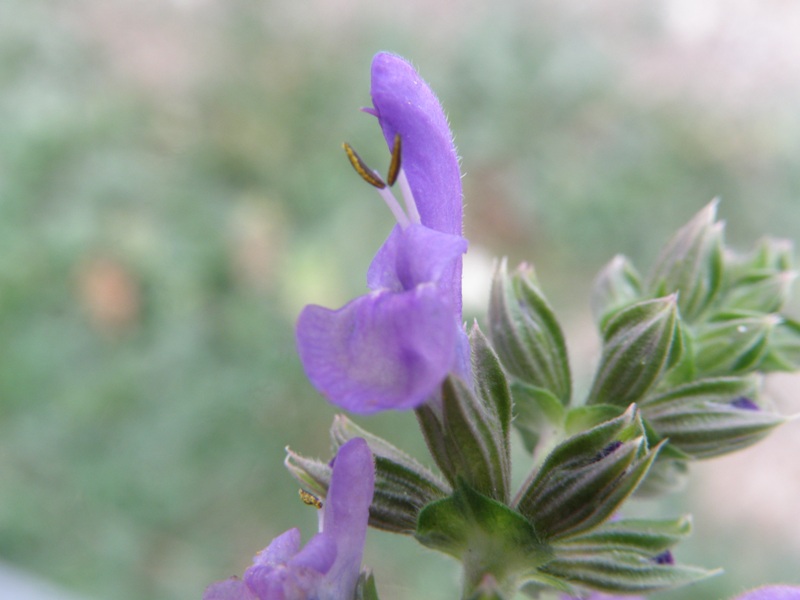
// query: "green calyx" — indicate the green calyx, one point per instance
point(489, 538)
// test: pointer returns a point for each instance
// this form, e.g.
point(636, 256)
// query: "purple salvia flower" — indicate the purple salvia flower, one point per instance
point(392, 348)
point(327, 568)
point(772, 592)
point(601, 596)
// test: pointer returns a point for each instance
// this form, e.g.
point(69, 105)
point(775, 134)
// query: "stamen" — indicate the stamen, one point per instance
point(408, 198)
point(310, 499)
point(394, 206)
point(395, 172)
point(394, 166)
point(367, 174)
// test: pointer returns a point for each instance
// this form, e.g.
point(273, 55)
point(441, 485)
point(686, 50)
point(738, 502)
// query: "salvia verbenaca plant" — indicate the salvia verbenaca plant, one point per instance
point(685, 349)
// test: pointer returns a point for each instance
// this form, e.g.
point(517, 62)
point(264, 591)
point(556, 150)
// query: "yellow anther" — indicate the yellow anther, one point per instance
point(362, 169)
point(310, 499)
point(394, 166)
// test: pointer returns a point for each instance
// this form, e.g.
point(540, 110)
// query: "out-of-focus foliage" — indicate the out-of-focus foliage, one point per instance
point(172, 191)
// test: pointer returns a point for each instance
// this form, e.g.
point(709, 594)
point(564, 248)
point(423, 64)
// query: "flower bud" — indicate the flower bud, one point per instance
point(760, 281)
point(783, 353)
point(467, 439)
point(710, 417)
point(617, 285)
point(366, 588)
point(651, 538)
point(773, 254)
point(402, 486)
point(640, 343)
point(491, 383)
point(735, 343)
point(762, 291)
point(621, 572)
point(691, 264)
point(586, 478)
point(526, 334)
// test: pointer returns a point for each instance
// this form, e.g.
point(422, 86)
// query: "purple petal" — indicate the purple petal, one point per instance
point(601, 596)
point(346, 513)
point(665, 558)
point(280, 549)
point(405, 105)
point(381, 351)
point(413, 256)
point(745, 403)
point(282, 582)
point(230, 589)
point(318, 554)
point(772, 592)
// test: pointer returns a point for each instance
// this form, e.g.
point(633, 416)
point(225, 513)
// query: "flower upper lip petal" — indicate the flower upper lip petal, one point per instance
point(346, 514)
point(405, 105)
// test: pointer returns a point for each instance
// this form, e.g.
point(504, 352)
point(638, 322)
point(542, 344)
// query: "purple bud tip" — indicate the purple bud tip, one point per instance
point(745, 404)
point(611, 448)
point(665, 558)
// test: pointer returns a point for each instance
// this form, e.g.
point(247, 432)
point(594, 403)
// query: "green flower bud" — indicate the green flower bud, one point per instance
point(622, 572)
point(526, 334)
point(721, 390)
point(771, 254)
point(617, 286)
point(586, 478)
point(710, 417)
point(734, 343)
point(641, 342)
point(666, 475)
point(467, 440)
point(761, 281)
point(647, 537)
point(760, 291)
point(538, 414)
point(365, 587)
point(783, 352)
point(691, 264)
point(313, 475)
point(402, 485)
point(491, 383)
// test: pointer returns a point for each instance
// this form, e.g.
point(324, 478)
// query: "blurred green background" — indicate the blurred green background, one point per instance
point(173, 191)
